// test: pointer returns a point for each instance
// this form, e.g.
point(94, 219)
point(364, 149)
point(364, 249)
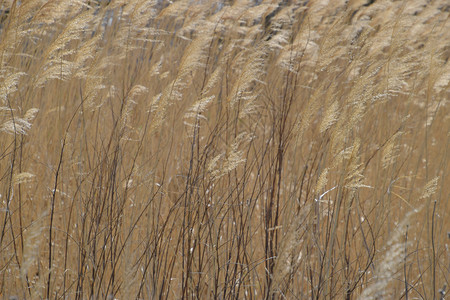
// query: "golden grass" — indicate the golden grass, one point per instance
point(224, 149)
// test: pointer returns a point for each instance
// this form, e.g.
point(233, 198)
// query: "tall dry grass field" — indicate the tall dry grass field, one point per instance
point(224, 149)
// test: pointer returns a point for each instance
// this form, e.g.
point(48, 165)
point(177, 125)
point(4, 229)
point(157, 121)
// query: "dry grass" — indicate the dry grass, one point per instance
point(224, 150)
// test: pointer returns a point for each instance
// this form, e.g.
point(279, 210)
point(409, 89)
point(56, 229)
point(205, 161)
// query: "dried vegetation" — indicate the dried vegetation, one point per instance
point(224, 149)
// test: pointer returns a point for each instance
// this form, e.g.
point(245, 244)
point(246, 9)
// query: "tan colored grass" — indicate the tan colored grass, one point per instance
point(224, 149)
